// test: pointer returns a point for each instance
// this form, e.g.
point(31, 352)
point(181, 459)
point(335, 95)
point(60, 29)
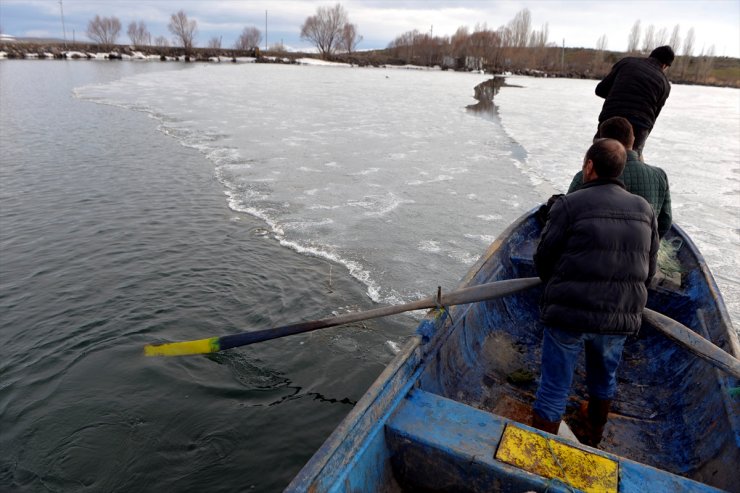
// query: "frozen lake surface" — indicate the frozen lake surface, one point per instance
point(385, 172)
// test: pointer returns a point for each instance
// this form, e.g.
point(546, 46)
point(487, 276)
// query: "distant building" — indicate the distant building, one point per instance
point(463, 63)
point(7, 38)
point(474, 63)
point(449, 62)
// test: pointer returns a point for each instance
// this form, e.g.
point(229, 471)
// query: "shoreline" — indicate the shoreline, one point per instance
point(18, 50)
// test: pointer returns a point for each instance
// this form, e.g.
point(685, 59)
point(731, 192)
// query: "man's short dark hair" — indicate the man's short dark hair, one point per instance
point(609, 158)
point(617, 128)
point(664, 54)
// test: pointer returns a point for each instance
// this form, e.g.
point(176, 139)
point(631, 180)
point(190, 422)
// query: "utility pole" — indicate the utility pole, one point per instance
point(64, 29)
point(265, 31)
point(562, 58)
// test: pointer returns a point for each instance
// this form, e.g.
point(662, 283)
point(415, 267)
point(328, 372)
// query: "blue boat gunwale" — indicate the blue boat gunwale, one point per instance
point(330, 464)
point(321, 462)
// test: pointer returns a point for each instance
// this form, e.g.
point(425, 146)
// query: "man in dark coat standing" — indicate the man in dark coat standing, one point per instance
point(636, 89)
point(596, 255)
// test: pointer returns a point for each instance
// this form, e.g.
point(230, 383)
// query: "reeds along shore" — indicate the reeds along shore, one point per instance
point(576, 63)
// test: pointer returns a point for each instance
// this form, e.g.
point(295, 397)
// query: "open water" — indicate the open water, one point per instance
point(149, 202)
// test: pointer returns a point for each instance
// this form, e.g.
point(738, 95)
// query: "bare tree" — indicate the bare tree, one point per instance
point(602, 43)
point(215, 43)
point(507, 37)
point(688, 51)
point(660, 37)
point(278, 48)
point(537, 44)
point(459, 41)
point(324, 29)
point(403, 45)
point(634, 38)
point(544, 35)
point(349, 39)
point(675, 41)
point(183, 30)
point(250, 38)
point(705, 65)
point(485, 44)
point(426, 49)
point(648, 42)
point(138, 33)
point(538, 39)
point(688, 43)
point(520, 28)
point(600, 55)
point(104, 31)
point(161, 42)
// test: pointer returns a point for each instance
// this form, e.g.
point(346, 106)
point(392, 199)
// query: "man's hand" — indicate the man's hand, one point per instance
point(544, 209)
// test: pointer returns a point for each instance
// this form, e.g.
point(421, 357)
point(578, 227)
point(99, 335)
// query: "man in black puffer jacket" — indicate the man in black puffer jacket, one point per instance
point(636, 89)
point(596, 255)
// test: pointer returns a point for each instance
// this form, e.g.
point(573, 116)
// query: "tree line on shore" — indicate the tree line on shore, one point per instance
point(514, 47)
point(517, 47)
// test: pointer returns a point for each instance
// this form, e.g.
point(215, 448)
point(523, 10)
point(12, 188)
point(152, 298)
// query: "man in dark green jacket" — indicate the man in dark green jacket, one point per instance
point(649, 182)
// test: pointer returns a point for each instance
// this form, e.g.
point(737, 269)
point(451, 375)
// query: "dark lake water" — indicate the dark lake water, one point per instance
point(113, 235)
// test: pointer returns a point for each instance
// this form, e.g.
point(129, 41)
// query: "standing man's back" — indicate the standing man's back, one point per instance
point(636, 89)
point(596, 255)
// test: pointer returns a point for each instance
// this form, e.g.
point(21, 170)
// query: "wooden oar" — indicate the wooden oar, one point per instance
point(681, 334)
point(473, 294)
point(693, 342)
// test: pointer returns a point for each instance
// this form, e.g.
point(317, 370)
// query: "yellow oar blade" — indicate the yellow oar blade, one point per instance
point(201, 346)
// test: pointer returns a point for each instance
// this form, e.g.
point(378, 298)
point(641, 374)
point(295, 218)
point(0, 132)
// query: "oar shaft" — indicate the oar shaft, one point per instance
point(693, 342)
point(461, 296)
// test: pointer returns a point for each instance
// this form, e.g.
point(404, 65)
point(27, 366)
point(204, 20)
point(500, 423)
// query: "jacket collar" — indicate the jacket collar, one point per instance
point(632, 156)
point(604, 181)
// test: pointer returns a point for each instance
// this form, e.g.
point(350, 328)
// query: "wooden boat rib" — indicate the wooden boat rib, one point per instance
point(450, 414)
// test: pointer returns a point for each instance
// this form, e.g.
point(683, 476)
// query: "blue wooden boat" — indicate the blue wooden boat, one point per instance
point(450, 412)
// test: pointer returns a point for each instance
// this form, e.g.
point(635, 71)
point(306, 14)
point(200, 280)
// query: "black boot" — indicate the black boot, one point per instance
point(542, 424)
point(598, 413)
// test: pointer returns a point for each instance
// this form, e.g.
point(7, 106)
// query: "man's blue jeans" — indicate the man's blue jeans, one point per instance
point(560, 351)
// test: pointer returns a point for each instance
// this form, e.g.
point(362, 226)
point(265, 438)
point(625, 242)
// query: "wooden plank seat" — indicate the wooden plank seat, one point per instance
point(437, 444)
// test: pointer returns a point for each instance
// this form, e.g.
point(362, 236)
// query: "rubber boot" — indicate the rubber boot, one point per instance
point(598, 412)
point(542, 424)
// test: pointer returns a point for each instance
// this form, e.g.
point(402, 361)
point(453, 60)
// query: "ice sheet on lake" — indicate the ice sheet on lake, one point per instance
point(385, 172)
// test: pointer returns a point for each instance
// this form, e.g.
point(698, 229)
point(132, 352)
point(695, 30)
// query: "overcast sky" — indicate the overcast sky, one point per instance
point(579, 23)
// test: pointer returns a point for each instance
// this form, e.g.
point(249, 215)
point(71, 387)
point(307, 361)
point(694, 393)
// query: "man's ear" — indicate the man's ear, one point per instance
point(588, 171)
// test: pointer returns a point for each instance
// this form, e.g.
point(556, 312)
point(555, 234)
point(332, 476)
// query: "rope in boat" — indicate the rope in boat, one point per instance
point(555, 481)
point(443, 309)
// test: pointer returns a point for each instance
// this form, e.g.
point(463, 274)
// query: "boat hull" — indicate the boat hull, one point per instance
point(437, 417)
